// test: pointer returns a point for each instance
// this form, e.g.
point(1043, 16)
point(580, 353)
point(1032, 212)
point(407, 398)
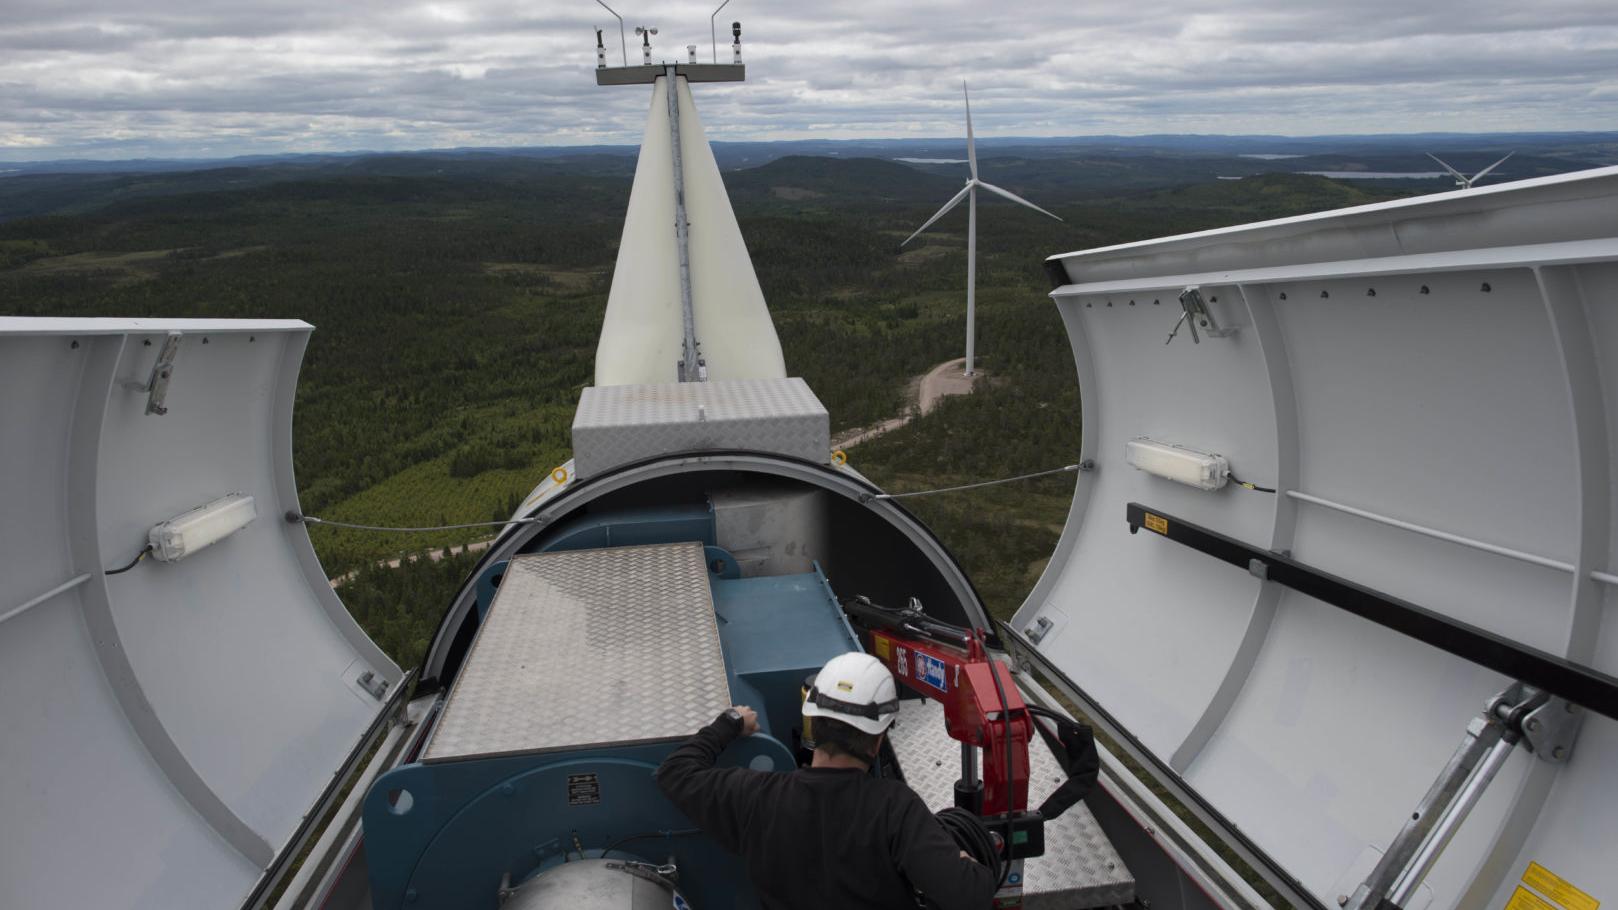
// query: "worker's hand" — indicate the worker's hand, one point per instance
point(749, 719)
point(968, 857)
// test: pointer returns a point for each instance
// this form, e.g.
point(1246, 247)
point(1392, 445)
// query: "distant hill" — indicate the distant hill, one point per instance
point(1271, 196)
point(811, 181)
point(1589, 148)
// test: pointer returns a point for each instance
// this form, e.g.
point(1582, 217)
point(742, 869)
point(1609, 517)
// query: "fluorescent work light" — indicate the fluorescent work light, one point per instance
point(203, 526)
point(1188, 466)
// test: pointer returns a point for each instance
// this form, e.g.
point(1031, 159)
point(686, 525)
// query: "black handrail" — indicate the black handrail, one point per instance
point(1575, 682)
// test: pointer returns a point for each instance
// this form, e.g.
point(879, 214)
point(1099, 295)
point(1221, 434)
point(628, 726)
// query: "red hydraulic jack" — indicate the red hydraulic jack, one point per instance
point(982, 710)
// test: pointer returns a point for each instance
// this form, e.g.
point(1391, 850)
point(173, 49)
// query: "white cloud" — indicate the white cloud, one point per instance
point(105, 78)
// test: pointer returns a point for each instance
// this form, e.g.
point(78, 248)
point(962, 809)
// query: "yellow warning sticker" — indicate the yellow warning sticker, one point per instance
point(1557, 888)
point(1523, 899)
point(881, 646)
point(1157, 523)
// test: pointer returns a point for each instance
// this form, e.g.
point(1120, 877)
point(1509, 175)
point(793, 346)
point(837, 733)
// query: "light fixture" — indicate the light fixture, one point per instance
point(201, 527)
point(1202, 470)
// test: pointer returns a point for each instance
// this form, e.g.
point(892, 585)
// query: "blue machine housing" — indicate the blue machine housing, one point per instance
point(447, 834)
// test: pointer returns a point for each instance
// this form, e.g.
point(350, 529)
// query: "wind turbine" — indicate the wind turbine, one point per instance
point(1463, 181)
point(970, 194)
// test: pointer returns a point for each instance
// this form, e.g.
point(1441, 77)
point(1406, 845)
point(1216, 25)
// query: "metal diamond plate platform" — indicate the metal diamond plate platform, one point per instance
point(616, 425)
point(589, 648)
point(1080, 868)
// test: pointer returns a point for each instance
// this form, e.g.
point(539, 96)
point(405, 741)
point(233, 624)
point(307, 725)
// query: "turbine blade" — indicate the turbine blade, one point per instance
point(941, 212)
point(1016, 198)
point(1445, 165)
point(1479, 174)
point(971, 144)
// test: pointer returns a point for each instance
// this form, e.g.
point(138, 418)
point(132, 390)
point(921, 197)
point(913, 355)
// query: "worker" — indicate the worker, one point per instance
point(832, 834)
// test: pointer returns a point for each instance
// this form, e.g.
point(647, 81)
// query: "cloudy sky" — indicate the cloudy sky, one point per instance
point(116, 78)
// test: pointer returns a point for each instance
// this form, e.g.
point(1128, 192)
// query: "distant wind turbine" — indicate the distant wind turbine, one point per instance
point(970, 193)
point(1463, 181)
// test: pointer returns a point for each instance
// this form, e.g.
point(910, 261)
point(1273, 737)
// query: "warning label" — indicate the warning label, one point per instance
point(1523, 899)
point(1157, 523)
point(583, 790)
point(1557, 888)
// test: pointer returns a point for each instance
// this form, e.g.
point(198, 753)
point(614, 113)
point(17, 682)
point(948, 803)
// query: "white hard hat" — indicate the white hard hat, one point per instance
point(856, 689)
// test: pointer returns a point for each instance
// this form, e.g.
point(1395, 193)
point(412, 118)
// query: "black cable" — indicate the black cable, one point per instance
point(1250, 486)
point(973, 836)
point(678, 832)
point(132, 563)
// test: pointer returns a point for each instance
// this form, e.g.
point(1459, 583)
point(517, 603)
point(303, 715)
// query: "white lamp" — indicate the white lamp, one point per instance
point(201, 527)
point(1202, 470)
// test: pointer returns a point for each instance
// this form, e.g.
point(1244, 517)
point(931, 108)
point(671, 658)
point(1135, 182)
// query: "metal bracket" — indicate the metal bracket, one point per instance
point(1194, 313)
point(1551, 729)
point(372, 683)
point(1038, 630)
point(665, 874)
point(156, 386)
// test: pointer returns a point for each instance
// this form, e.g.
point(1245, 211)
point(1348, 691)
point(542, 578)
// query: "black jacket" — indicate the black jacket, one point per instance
point(822, 837)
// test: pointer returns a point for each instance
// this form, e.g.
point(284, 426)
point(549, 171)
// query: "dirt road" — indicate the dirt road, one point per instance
point(434, 555)
point(923, 394)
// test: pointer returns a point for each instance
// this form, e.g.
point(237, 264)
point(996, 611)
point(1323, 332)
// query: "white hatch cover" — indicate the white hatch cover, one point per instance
point(163, 730)
point(1430, 386)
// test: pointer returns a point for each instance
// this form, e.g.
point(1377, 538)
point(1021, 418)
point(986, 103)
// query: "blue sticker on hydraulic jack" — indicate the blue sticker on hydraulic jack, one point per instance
point(930, 670)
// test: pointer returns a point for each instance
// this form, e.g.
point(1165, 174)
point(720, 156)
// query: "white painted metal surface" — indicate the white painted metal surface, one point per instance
point(162, 731)
point(1431, 385)
point(643, 332)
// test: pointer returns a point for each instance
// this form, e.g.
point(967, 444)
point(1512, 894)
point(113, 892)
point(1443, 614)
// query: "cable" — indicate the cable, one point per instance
point(678, 832)
point(973, 836)
point(1250, 486)
point(295, 518)
point(132, 563)
point(970, 486)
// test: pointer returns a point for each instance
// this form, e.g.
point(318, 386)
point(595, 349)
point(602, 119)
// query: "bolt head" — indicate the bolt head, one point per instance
point(1559, 753)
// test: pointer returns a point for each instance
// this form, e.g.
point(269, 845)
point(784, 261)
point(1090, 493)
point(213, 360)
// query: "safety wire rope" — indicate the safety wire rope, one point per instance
point(294, 517)
point(1065, 469)
point(646, 835)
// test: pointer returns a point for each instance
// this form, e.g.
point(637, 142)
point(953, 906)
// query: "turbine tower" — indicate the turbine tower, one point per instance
point(1463, 181)
point(970, 194)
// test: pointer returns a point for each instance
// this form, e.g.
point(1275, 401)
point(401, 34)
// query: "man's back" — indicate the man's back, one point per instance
point(822, 837)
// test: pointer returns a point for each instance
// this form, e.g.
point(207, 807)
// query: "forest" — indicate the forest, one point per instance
point(457, 309)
